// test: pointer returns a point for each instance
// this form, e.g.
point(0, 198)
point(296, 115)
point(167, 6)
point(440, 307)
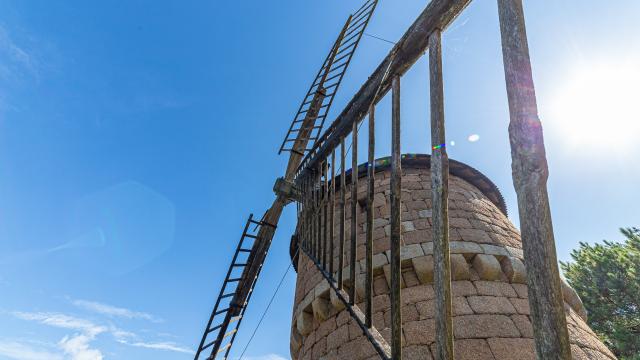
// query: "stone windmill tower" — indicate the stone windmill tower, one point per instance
point(412, 256)
point(491, 315)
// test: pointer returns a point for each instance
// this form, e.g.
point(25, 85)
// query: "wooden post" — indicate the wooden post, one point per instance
point(354, 213)
point(530, 173)
point(332, 210)
point(343, 200)
point(440, 199)
point(318, 214)
point(325, 222)
point(396, 192)
point(371, 173)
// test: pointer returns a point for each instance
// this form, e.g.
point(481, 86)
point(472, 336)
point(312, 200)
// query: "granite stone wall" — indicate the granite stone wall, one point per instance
point(490, 306)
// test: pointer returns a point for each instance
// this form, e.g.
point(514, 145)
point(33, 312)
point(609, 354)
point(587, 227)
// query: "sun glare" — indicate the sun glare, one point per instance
point(597, 107)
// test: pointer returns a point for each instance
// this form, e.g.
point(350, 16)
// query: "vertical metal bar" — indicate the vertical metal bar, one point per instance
point(354, 212)
point(332, 210)
point(530, 173)
point(440, 198)
point(371, 171)
point(343, 200)
point(396, 192)
point(325, 205)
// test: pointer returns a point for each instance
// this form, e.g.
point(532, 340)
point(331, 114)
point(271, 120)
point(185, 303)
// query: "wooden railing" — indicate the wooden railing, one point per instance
point(319, 207)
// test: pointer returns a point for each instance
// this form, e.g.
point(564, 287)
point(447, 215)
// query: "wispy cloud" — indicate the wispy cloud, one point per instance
point(14, 57)
point(23, 351)
point(78, 346)
point(169, 346)
point(114, 311)
point(62, 321)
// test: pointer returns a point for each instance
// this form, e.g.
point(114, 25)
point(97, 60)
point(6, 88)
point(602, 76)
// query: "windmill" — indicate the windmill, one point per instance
point(302, 135)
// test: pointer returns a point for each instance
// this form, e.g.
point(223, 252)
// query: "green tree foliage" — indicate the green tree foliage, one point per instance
point(607, 278)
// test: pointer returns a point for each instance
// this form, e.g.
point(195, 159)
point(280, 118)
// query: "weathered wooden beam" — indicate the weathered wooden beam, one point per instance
point(371, 173)
point(440, 199)
point(343, 200)
point(396, 194)
point(325, 209)
point(530, 173)
point(437, 15)
point(354, 213)
point(318, 213)
point(332, 208)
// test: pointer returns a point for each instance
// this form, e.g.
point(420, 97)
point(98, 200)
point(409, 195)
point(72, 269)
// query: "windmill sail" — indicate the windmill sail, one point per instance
point(308, 122)
point(305, 128)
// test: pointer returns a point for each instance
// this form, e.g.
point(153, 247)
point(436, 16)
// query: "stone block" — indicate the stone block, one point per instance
point(571, 297)
point(416, 352)
point(483, 326)
point(487, 267)
point(521, 305)
point(304, 323)
point(424, 213)
point(514, 269)
point(462, 288)
point(407, 253)
point(524, 325)
point(407, 226)
point(495, 288)
point(338, 337)
point(494, 250)
point(427, 248)
point(296, 340)
point(515, 252)
point(322, 289)
point(521, 290)
point(459, 223)
point(464, 247)
point(415, 294)
point(507, 349)
point(335, 301)
point(421, 332)
point(387, 276)
point(321, 308)
point(475, 235)
point(459, 267)
point(319, 348)
point(491, 305)
point(472, 349)
point(423, 266)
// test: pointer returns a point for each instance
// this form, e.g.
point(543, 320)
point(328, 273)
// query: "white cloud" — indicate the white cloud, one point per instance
point(114, 311)
point(77, 347)
point(168, 346)
point(21, 351)
point(62, 321)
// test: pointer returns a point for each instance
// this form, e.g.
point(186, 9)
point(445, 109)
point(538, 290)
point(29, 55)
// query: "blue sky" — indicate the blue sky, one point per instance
point(137, 136)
